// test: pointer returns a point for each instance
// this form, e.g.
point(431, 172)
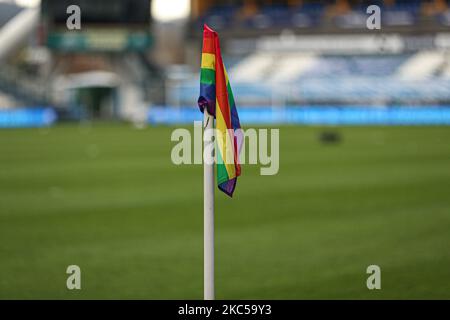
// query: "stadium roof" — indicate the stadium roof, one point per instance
point(7, 11)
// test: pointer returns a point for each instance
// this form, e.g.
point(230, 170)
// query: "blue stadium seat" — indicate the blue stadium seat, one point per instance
point(219, 17)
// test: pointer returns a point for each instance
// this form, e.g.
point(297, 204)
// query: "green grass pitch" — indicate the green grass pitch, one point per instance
point(108, 198)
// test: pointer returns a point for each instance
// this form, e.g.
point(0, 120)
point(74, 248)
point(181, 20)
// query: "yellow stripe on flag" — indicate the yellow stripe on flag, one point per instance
point(225, 143)
point(226, 75)
point(208, 61)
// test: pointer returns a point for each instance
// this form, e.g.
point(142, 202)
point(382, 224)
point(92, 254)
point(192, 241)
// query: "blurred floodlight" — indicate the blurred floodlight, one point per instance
point(28, 3)
point(168, 10)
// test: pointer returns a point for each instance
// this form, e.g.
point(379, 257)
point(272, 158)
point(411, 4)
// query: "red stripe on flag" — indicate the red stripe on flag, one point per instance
point(208, 40)
point(221, 86)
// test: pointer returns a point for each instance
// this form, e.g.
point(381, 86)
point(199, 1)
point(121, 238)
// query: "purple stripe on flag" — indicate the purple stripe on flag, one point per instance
point(235, 118)
point(207, 98)
point(228, 186)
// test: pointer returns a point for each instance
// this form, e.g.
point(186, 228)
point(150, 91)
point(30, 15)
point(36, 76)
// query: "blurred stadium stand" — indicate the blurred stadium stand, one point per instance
point(279, 54)
point(100, 71)
point(313, 15)
point(306, 53)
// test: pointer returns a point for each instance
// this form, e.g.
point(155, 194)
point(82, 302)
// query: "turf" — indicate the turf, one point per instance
point(107, 198)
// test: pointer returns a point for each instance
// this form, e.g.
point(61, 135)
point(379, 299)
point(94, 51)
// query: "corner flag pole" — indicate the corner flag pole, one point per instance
point(208, 208)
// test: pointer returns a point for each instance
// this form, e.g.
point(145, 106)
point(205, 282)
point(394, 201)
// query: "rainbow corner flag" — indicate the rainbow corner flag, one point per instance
point(216, 96)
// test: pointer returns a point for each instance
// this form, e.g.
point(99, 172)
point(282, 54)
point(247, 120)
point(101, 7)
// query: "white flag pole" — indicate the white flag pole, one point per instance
point(208, 207)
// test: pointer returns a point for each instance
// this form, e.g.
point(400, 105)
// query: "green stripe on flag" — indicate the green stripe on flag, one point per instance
point(222, 174)
point(230, 96)
point(207, 76)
